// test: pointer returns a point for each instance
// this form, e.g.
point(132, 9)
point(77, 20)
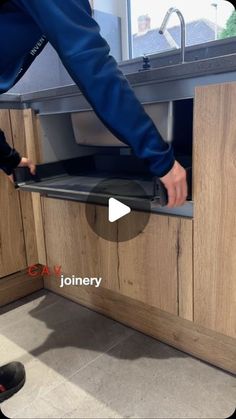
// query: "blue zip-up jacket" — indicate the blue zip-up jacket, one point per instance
point(25, 28)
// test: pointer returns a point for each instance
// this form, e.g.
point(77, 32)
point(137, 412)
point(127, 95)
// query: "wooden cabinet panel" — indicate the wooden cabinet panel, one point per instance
point(215, 203)
point(155, 267)
point(34, 152)
point(12, 246)
point(26, 199)
point(18, 131)
point(17, 286)
point(71, 244)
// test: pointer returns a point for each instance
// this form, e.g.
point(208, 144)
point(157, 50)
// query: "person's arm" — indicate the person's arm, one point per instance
point(70, 28)
point(75, 35)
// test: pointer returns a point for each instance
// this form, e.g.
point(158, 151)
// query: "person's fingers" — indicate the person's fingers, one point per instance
point(32, 168)
point(171, 196)
point(176, 184)
point(25, 162)
point(179, 195)
point(10, 177)
point(185, 190)
point(182, 189)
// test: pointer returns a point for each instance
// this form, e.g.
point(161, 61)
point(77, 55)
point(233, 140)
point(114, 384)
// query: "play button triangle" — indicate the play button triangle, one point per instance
point(117, 210)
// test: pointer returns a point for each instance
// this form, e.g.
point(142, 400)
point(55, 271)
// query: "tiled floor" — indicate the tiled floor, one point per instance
point(80, 364)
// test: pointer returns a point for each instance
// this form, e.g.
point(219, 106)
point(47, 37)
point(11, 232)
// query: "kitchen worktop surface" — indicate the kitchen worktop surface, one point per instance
point(192, 69)
point(192, 73)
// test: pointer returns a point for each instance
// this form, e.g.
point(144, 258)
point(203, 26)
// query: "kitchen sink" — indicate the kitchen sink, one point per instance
point(90, 131)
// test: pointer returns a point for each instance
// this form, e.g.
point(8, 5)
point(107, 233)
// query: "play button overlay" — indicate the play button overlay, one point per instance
point(118, 210)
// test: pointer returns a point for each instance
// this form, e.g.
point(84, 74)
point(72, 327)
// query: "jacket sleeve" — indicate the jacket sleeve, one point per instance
point(9, 157)
point(70, 28)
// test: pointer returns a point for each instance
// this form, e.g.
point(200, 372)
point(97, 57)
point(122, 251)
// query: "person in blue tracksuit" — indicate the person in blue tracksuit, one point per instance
point(25, 28)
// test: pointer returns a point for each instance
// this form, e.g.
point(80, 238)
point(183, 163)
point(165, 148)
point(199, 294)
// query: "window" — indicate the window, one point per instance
point(131, 26)
point(206, 21)
point(112, 17)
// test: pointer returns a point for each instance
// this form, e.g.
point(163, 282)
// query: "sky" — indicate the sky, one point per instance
point(191, 10)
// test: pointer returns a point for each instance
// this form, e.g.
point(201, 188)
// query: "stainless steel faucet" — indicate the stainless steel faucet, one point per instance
point(183, 28)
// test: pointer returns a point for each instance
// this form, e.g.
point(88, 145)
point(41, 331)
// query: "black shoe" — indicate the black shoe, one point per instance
point(12, 379)
point(2, 416)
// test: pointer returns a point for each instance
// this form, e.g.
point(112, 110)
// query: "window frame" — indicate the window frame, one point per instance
point(155, 55)
point(129, 23)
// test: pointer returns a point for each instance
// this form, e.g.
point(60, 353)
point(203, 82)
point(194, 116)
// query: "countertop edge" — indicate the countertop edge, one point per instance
point(188, 70)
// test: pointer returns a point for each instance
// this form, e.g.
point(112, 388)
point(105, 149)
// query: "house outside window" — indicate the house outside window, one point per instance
point(131, 26)
point(206, 21)
point(131, 29)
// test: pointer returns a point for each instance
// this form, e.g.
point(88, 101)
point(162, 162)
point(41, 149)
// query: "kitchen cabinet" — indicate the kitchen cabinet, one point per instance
point(138, 277)
point(18, 247)
point(34, 232)
point(12, 245)
point(176, 280)
point(22, 138)
point(155, 267)
point(71, 243)
point(214, 208)
point(184, 267)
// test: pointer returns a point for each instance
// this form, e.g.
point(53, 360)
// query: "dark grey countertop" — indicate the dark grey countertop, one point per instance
point(170, 73)
point(9, 97)
point(199, 68)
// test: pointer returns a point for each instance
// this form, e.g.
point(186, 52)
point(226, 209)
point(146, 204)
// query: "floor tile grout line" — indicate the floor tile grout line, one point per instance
point(64, 379)
point(90, 362)
point(102, 354)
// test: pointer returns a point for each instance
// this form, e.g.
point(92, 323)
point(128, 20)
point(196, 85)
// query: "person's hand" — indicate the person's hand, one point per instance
point(176, 185)
point(25, 162)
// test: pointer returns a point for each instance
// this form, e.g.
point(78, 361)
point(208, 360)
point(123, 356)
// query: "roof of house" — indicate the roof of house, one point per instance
point(197, 32)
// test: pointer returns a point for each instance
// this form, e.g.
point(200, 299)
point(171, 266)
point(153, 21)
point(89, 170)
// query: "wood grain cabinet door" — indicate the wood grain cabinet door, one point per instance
point(215, 208)
point(12, 246)
point(156, 266)
point(71, 244)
